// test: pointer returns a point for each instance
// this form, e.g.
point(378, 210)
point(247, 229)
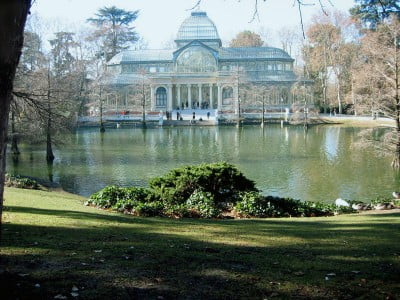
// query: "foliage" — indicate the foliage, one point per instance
point(373, 12)
point(113, 29)
point(203, 203)
point(255, 205)
point(246, 39)
point(377, 80)
point(221, 180)
point(119, 198)
point(20, 182)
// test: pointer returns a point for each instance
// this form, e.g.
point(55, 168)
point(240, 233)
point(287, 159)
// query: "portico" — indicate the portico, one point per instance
point(207, 95)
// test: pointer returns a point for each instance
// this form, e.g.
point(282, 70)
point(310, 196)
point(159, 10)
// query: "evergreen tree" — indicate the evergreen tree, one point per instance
point(113, 28)
point(373, 12)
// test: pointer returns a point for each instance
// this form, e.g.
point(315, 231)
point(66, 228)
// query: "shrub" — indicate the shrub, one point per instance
point(203, 204)
point(221, 180)
point(179, 211)
point(148, 209)
point(108, 196)
point(119, 198)
point(255, 205)
point(20, 182)
point(132, 196)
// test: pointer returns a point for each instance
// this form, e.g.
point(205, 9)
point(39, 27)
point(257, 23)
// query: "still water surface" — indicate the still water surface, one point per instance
point(320, 165)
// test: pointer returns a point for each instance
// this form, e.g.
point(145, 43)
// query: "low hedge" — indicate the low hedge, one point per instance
point(20, 182)
point(256, 205)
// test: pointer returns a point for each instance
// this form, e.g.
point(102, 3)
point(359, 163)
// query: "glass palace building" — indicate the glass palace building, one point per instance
point(200, 73)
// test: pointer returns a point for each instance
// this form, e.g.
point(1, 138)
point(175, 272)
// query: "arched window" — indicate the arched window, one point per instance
point(161, 96)
point(196, 59)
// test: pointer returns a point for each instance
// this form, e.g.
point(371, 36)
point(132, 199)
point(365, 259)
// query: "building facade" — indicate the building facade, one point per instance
point(200, 73)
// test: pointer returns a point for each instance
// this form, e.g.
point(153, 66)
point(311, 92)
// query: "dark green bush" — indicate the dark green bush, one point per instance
point(206, 191)
point(108, 196)
point(20, 182)
point(255, 205)
point(222, 180)
point(179, 211)
point(132, 196)
point(120, 198)
point(148, 209)
point(203, 204)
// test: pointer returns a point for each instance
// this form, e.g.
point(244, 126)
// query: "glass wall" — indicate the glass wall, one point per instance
point(196, 60)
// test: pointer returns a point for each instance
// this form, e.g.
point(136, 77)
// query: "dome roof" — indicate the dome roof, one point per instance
point(197, 27)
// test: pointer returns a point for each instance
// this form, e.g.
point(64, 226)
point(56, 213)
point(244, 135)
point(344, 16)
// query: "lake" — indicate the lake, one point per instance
point(321, 164)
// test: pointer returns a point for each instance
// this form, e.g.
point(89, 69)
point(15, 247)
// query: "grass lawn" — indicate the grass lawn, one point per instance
point(52, 240)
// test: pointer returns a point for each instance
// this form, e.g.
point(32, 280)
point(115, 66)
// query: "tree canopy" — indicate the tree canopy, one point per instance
point(113, 28)
point(247, 39)
point(373, 12)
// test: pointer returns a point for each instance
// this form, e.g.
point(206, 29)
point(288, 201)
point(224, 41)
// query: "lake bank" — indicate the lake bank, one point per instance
point(318, 165)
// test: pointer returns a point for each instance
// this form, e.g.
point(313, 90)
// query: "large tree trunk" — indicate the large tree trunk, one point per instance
point(14, 137)
point(13, 15)
point(396, 160)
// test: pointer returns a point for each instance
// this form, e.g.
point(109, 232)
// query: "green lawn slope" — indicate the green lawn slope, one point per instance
point(53, 247)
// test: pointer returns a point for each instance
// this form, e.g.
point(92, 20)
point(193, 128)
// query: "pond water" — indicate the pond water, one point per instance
point(318, 165)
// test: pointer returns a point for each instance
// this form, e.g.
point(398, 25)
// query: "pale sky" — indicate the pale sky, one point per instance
point(159, 20)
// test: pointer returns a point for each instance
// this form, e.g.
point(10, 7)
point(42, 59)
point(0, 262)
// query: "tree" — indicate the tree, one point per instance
point(13, 14)
point(373, 12)
point(246, 39)
point(323, 39)
point(381, 78)
point(113, 28)
point(288, 37)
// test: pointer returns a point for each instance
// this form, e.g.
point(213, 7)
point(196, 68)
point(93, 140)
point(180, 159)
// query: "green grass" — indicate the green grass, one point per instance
point(51, 239)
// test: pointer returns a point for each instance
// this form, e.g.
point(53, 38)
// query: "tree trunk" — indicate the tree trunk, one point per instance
point(339, 98)
point(49, 149)
point(396, 160)
point(14, 138)
point(13, 15)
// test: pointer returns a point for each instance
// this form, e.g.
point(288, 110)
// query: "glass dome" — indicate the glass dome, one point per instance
point(196, 60)
point(198, 27)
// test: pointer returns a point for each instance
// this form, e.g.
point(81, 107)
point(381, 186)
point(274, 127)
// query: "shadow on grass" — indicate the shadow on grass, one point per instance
point(199, 259)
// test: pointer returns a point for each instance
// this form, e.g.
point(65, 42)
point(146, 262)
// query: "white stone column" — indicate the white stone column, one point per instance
point(219, 97)
point(200, 95)
point(152, 98)
point(169, 98)
point(236, 98)
point(211, 104)
point(189, 87)
point(178, 89)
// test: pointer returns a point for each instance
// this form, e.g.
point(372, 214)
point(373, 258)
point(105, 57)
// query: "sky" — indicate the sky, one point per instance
point(159, 20)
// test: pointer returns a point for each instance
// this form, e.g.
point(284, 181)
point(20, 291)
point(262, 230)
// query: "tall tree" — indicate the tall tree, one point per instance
point(381, 77)
point(373, 12)
point(323, 39)
point(13, 14)
point(113, 26)
point(246, 39)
